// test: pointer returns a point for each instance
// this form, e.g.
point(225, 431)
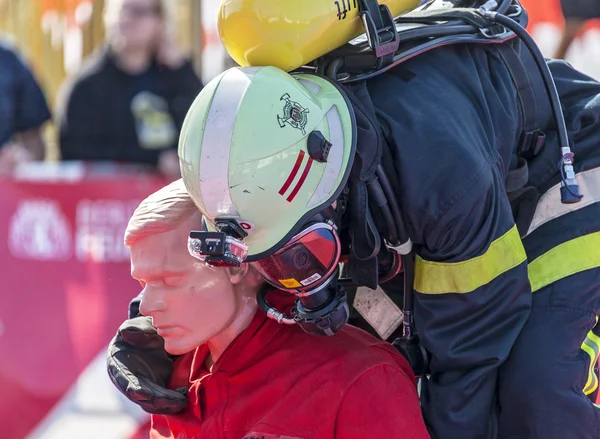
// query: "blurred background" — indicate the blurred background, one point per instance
point(92, 96)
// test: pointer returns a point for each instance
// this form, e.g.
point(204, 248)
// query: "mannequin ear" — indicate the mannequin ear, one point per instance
point(237, 274)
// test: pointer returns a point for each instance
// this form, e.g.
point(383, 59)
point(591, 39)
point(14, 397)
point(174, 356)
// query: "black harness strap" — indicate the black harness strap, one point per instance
point(536, 117)
point(365, 237)
point(518, 177)
point(532, 138)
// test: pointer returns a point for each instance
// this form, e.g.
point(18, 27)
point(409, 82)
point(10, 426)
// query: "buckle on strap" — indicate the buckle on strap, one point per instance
point(380, 27)
point(532, 143)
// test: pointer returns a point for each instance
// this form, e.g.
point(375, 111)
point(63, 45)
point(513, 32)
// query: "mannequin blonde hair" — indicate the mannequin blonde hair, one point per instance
point(161, 212)
point(164, 211)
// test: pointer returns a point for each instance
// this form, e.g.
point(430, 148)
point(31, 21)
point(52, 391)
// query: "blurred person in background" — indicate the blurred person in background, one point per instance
point(129, 100)
point(576, 13)
point(23, 111)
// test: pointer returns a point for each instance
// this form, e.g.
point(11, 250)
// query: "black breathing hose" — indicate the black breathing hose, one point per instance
point(377, 194)
point(570, 189)
point(393, 203)
point(541, 65)
point(270, 311)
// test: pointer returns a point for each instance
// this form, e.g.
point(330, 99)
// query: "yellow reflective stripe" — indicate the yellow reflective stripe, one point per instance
point(568, 258)
point(503, 254)
point(591, 345)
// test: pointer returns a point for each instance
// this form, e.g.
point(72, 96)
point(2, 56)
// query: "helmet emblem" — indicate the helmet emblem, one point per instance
point(293, 114)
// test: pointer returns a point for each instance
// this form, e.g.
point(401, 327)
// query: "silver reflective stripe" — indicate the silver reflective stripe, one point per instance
point(216, 142)
point(550, 207)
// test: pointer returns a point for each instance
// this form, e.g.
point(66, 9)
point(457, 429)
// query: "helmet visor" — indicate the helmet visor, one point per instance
point(305, 262)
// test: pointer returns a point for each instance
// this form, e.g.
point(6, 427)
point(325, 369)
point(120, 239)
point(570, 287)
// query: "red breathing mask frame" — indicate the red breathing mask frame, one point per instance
point(305, 264)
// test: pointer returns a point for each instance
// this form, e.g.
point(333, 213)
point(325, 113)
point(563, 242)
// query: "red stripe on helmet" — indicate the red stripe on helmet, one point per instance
point(292, 175)
point(301, 181)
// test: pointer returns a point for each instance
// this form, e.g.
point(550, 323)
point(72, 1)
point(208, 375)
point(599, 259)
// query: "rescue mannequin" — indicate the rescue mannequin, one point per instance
point(240, 367)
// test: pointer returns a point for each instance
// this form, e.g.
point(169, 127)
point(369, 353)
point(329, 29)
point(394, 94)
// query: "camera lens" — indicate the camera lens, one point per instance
point(210, 248)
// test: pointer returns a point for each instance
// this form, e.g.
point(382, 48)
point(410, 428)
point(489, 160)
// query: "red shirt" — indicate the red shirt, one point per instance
point(277, 382)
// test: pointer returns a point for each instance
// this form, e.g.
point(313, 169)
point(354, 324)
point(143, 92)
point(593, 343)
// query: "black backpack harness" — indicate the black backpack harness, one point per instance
point(373, 214)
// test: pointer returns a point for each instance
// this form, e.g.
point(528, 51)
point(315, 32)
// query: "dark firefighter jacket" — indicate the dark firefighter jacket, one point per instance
point(453, 125)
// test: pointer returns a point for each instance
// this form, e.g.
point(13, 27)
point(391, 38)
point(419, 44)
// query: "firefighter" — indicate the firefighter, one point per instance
point(458, 161)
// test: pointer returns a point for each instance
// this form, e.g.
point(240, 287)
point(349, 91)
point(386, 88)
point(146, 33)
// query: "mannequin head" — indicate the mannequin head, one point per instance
point(190, 303)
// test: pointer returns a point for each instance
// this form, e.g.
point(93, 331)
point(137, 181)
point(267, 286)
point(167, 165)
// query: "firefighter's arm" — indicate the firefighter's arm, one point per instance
point(472, 299)
point(381, 403)
point(139, 366)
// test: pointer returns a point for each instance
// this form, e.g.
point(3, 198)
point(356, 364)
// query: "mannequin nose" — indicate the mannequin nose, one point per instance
point(152, 301)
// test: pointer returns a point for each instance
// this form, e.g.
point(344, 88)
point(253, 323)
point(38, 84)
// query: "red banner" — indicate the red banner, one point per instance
point(66, 286)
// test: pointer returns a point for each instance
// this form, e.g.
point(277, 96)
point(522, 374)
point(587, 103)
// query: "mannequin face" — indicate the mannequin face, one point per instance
point(190, 303)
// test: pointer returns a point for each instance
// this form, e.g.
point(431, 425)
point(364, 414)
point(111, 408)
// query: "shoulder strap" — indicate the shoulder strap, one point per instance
point(532, 101)
point(536, 117)
point(365, 227)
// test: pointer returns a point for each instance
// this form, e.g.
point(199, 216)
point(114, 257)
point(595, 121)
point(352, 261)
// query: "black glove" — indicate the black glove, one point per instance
point(140, 368)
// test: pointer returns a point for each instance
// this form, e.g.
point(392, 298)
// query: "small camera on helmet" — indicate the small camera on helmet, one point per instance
point(211, 243)
point(217, 248)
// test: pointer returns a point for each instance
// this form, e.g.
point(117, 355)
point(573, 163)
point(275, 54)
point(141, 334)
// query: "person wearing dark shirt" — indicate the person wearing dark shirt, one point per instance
point(577, 13)
point(23, 111)
point(129, 100)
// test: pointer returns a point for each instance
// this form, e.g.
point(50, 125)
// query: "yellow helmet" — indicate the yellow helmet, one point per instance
point(247, 152)
point(289, 34)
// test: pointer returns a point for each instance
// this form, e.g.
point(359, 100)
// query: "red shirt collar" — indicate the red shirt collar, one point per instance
point(248, 344)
